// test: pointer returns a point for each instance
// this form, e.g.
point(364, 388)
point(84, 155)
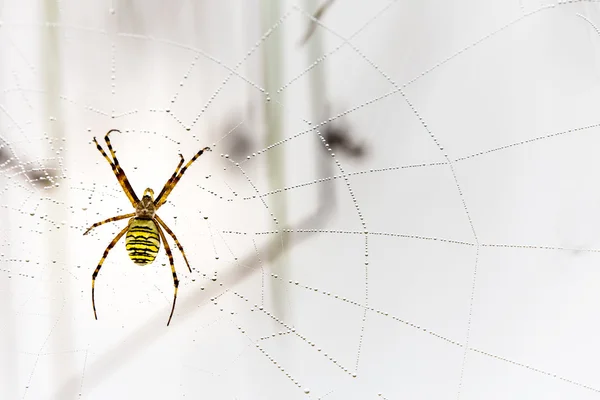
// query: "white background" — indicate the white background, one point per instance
point(457, 259)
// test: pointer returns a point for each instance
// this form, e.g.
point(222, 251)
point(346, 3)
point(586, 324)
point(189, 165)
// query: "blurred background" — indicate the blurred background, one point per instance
point(401, 200)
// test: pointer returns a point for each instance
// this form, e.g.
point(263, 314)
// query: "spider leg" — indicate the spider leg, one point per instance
point(172, 178)
point(118, 217)
point(175, 280)
point(170, 232)
point(110, 148)
point(95, 274)
point(160, 200)
point(117, 170)
point(122, 177)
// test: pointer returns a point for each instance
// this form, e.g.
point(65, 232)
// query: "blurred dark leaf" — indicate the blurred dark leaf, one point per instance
point(340, 140)
point(38, 177)
point(313, 25)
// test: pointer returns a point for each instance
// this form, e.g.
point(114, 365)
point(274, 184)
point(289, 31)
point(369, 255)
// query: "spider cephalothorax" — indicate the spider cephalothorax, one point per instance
point(144, 232)
point(145, 208)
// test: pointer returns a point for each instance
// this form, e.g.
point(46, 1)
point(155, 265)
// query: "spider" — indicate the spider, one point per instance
point(144, 231)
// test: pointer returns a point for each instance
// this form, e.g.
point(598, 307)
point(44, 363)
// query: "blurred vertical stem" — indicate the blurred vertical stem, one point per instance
point(273, 79)
point(62, 364)
point(318, 99)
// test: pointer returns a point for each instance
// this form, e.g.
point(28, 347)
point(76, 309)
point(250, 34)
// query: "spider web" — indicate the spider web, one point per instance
point(401, 206)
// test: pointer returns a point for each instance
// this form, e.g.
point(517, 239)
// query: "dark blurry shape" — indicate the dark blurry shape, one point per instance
point(239, 143)
point(340, 140)
point(313, 25)
point(339, 137)
point(4, 157)
point(237, 138)
point(36, 177)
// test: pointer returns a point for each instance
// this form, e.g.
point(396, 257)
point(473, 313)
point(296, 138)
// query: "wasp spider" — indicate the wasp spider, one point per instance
point(144, 231)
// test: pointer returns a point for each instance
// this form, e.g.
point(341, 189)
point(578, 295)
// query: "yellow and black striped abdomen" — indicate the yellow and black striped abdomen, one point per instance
point(142, 241)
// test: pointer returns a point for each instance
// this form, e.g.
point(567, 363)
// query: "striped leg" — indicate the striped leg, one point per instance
point(122, 177)
point(175, 280)
point(170, 232)
point(95, 274)
point(160, 200)
point(110, 148)
point(117, 170)
point(118, 217)
point(172, 178)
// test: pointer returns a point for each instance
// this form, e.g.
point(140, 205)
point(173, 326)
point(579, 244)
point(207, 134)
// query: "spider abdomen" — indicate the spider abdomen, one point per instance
point(142, 241)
